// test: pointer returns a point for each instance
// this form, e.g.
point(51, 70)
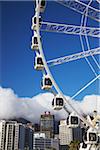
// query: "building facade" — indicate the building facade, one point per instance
point(19, 137)
point(66, 134)
point(47, 124)
point(42, 143)
point(15, 136)
point(9, 142)
point(2, 134)
point(29, 137)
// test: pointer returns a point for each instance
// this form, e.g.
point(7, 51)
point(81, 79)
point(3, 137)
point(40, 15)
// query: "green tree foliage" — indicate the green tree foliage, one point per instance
point(74, 145)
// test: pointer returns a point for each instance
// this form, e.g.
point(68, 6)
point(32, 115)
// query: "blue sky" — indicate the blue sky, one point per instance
point(16, 63)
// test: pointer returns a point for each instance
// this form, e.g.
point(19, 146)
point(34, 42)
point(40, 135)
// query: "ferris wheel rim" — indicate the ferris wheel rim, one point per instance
point(83, 24)
point(48, 71)
point(81, 40)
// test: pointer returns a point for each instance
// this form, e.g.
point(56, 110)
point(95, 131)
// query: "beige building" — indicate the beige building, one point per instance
point(9, 142)
point(66, 134)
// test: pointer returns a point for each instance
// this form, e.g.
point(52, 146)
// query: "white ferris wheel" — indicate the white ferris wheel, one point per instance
point(87, 10)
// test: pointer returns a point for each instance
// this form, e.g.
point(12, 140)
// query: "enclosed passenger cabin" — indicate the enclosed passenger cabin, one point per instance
point(57, 102)
point(46, 83)
point(73, 121)
point(34, 22)
point(90, 136)
point(38, 64)
point(42, 5)
point(34, 45)
point(84, 146)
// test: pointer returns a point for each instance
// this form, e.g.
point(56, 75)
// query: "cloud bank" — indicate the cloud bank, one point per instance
point(12, 106)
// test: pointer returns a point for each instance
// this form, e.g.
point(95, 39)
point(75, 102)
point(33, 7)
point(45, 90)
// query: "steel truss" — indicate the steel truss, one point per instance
point(70, 29)
point(80, 7)
point(73, 57)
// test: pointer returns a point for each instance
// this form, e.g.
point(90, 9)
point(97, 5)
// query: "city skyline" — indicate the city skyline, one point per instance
point(15, 134)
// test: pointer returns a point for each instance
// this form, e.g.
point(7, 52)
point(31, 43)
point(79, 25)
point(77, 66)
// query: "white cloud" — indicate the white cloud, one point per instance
point(30, 108)
point(90, 103)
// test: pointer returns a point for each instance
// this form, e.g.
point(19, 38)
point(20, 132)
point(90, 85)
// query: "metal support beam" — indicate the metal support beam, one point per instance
point(73, 57)
point(79, 7)
point(70, 29)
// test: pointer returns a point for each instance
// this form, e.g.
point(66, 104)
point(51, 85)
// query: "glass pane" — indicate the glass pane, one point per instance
point(74, 120)
point(92, 136)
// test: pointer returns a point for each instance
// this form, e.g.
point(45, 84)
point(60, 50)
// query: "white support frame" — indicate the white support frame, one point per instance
point(70, 29)
point(73, 57)
point(79, 7)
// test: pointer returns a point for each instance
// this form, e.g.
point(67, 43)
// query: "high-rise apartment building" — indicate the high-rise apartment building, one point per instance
point(9, 142)
point(66, 134)
point(19, 136)
point(15, 136)
point(29, 137)
point(2, 134)
point(47, 124)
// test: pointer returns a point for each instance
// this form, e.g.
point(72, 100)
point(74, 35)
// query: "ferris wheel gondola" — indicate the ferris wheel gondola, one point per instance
point(73, 120)
point(46, 83)
point(84, 146)
point(57, 102)
point(42, 5)
point(35, 45)
point(34, 22)
point(38, 64)
point(90, 136)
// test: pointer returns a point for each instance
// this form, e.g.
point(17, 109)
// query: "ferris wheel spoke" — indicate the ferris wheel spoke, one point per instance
point(98, 1)
point(79, 7)
point(70, 29)
point(87, 85)
point(86, 37)
point(83, 23)
point(73, 57)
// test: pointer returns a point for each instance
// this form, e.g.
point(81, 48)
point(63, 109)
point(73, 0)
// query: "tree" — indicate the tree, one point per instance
point(74, 145)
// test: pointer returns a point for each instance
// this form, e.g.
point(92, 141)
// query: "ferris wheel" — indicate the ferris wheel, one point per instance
point(48, 82)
